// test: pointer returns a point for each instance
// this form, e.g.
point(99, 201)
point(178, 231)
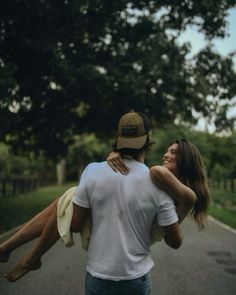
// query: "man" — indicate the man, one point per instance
point(123, 209)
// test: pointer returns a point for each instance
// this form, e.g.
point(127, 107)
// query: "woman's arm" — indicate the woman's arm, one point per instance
point(166, 181)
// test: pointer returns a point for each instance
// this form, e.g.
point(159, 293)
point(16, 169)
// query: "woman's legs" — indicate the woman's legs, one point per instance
point(28, 232)
point(32, 260)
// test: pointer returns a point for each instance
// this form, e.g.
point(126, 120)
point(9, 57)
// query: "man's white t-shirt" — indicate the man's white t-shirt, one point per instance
point(123, 210)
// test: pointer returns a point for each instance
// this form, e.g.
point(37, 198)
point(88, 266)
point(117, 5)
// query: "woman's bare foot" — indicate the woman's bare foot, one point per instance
point(21, 269)
point(4, 255)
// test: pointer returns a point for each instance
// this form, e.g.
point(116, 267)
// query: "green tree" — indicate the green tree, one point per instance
point(24, 166)
point(70, 66)
point(87, 148)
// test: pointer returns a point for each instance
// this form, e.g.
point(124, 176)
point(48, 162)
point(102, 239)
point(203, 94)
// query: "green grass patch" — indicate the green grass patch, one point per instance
point(223, 206)
point(224, 215)
point(15, 210)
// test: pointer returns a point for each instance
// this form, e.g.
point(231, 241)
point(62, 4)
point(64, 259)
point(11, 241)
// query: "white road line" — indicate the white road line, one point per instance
point(225, 226)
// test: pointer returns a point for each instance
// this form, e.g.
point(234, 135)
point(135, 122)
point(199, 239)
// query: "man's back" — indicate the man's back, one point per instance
point(123, 210)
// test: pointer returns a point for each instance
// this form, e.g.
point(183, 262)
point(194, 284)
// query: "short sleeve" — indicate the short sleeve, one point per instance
point(81, 196)
point(167, 214)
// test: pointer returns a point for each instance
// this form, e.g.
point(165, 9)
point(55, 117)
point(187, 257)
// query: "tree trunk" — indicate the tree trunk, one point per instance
point(61, 172)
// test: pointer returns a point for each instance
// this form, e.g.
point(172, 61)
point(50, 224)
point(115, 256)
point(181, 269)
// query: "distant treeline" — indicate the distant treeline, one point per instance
point(13, 186)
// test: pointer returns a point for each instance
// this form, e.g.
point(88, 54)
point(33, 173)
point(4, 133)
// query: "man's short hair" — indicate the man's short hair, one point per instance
point(134, 152)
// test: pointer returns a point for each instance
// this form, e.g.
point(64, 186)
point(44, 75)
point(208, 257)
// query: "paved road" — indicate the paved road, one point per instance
point(204, 265)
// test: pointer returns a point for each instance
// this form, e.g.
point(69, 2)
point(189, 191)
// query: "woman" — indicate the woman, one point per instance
point(182, 176)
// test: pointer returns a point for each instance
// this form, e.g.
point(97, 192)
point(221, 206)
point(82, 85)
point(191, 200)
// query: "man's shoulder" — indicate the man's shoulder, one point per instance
point(94, 166)
point(97, 164)
point(137, 165)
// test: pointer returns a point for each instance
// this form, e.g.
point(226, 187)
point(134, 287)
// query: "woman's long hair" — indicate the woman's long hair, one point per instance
point(191, 171)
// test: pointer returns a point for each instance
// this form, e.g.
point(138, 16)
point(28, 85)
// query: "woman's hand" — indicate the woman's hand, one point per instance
point(116, 162)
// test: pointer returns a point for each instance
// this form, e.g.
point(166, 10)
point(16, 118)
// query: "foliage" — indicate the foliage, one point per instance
point(218, 153)
point(13, 165)
point(86, 148)
point(72, 66)
point(3, 158)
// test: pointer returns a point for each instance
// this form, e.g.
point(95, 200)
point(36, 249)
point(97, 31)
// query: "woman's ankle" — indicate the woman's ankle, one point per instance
point(31, 259)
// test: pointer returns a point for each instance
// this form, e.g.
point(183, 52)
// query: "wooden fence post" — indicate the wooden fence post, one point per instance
point(3, 187)
point(12, 186)
point(225, 184)
point(232, 184)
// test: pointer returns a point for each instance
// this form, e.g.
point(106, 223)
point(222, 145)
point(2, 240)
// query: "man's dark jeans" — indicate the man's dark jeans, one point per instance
point(139, 286)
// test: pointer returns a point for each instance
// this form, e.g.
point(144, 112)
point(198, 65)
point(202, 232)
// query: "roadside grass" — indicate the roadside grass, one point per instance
point(223, 206)
point(224, 215)
point(15, 210)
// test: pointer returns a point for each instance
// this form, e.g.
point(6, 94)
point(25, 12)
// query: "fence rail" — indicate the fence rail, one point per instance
point(226, 184)
point(13, 186)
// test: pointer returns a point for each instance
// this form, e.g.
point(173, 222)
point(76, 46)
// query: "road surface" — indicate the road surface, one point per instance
point(204, 265)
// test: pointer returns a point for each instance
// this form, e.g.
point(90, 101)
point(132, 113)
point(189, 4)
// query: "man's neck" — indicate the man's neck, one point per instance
point(139, 157)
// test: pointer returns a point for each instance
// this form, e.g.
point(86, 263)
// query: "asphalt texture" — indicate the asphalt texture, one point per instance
point(204, 265)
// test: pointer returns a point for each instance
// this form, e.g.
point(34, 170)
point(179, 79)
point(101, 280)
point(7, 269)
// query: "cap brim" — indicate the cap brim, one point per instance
point(131, 142)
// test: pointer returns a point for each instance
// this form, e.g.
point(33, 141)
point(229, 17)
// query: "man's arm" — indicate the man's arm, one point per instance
point(173, 237)
point(81, 203)
point(80, 214)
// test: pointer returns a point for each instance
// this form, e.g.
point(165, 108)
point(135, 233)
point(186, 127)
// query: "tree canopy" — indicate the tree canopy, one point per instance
point(69, 66)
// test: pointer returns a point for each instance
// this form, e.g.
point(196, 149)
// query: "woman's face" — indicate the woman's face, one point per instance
point(169, 158)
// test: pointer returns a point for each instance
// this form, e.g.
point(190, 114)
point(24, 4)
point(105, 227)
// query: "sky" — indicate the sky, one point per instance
point(223, 46)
